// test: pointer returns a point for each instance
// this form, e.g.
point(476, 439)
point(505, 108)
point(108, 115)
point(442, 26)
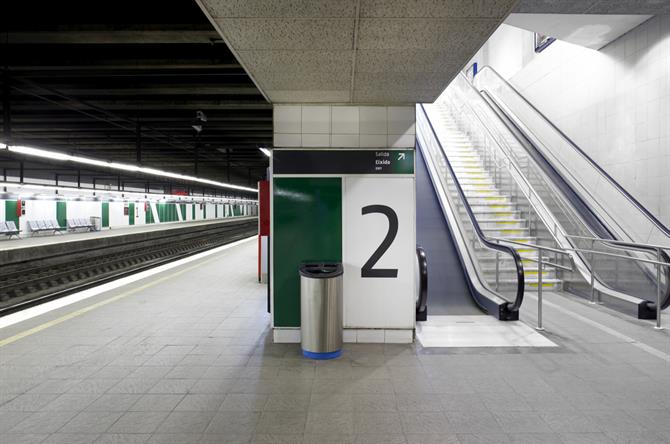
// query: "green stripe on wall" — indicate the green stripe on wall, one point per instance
point(61, 213)
point(105, 214)
point(149, 215)
point(131, 213)
point(307, 216)
point(10, 212)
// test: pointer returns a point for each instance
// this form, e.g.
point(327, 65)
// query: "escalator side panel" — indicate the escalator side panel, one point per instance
point(448, 289)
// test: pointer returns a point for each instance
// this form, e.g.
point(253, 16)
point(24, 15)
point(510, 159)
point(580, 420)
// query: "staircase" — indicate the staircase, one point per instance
point(495, 209)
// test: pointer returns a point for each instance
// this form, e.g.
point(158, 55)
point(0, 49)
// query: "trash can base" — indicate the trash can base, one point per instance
point(327, 355)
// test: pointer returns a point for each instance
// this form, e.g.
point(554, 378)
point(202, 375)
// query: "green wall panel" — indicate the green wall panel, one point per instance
point(307, 216)
point(149, 215)
point(105, 214)
point(131, 213)
point(193, 211)
point(61, 213)
point(204, 211)
point(10, 212)
point(182, 208)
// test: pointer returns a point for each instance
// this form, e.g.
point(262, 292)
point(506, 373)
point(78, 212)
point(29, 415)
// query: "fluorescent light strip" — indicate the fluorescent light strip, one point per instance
point(55, 155)
point(123, 194)
point(41, 309)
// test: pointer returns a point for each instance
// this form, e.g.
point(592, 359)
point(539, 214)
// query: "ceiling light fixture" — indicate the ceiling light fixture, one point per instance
point(55, 155)
point(266, 151)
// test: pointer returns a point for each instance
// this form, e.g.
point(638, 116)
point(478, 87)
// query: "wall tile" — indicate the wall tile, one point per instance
point(370, 336)
point(400, 119)
point(345, 140)
point(344, 119)
point(287, 119)
point(315, 140)
point(373, 140)
point(287, 140)
point(373, 120)
point(401, 140)
point(315, 119)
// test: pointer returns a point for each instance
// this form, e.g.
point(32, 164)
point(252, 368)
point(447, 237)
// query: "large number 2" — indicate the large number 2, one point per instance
point(367, 271)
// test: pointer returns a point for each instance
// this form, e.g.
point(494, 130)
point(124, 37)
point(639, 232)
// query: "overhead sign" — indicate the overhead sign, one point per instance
point(383, 161)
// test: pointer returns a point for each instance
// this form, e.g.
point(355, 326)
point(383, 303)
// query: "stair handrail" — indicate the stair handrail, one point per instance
point(665, 230)
point(516, 304)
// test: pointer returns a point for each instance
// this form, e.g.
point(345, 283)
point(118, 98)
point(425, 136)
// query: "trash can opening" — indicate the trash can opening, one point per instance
point(321, 270)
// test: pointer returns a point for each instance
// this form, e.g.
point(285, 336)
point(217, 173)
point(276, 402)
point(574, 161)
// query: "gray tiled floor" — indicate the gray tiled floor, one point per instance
point(189, 360)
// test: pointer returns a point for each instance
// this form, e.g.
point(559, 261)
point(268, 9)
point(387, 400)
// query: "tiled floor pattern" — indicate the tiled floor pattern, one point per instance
point(190, 360)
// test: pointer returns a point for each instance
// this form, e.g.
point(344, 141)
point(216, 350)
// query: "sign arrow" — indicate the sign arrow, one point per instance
point(401, 156)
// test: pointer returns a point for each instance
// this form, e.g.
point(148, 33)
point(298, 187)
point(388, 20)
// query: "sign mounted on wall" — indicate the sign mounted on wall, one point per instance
point(357, 207)
point(343, 162)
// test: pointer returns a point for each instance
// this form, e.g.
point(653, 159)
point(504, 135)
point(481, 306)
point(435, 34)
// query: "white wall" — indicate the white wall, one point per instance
point(141, 214)
point(2, 210)
point(614, 103)
point(83, 209)
point(315, 126)
point(211, 214)
point(198, 212)
point(116, 216)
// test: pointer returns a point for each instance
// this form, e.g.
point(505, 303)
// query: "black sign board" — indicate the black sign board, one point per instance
point(385, 161)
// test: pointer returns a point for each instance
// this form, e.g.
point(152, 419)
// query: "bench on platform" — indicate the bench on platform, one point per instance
point(45, 226)
point(75, 224)
point(9, 229)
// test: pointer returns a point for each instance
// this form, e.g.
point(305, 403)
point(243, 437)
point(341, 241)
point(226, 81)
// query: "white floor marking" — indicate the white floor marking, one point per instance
point(649, 349)
point(477, 331)
point(41, 309)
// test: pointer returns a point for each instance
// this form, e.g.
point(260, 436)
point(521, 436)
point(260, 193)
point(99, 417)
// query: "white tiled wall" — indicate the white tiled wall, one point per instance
point(339, 126)
point(614, 103)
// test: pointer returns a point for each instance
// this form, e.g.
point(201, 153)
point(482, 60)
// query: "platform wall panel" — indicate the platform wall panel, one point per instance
point(116, 216)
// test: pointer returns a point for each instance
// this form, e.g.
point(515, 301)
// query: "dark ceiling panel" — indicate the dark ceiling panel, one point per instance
point(83, 76)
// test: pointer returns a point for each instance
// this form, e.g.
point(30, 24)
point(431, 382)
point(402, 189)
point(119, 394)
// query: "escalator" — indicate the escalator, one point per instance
point(460, 245)
point(531, 188)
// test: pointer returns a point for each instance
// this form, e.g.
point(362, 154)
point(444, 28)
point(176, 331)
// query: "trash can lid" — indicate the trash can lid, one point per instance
point(321, 270)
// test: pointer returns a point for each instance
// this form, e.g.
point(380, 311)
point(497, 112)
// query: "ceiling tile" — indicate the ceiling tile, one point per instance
point(434, 8)
point(335, 62)
point(310, 34)
point(282, 96)
point(282, 8)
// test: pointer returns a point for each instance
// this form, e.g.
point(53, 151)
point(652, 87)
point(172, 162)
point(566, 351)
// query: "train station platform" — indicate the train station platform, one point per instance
point(50, 239)
point(185, 355)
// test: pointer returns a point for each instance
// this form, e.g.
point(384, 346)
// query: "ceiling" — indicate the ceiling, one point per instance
point(83, 77)
point(642, 7)
point(354, 51)
point(590, 30)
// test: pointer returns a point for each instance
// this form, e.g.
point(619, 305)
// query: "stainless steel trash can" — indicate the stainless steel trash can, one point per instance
point(321, 310)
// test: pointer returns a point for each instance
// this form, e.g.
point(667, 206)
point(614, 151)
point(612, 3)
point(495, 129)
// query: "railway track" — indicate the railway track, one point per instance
point(33, 282)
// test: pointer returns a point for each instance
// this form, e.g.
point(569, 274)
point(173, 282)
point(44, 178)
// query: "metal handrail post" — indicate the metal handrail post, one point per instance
point(658, 291)
point(539, 290)
point(593, 278)
point(497, 270)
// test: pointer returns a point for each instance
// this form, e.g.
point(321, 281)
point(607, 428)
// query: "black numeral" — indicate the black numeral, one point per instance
point(367, 271)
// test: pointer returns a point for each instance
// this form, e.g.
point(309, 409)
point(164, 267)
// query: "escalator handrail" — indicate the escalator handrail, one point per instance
point(511, 306)
point(588, 158)
point(423, 280)
point(616, 244)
